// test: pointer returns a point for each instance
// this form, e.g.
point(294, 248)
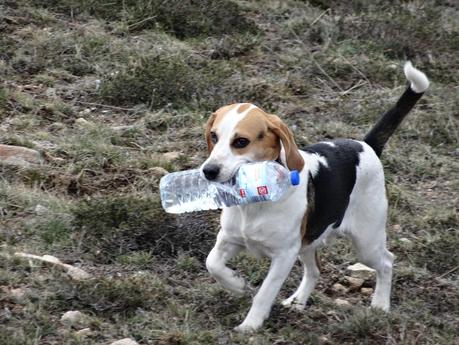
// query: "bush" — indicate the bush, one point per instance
point(114, 226)
point(184, 19)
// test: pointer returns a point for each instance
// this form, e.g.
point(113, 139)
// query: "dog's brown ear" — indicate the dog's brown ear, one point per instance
point(208, 128)
point(293, 157)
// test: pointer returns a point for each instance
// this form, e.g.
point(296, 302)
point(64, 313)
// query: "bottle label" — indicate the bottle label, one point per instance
point(262, 190)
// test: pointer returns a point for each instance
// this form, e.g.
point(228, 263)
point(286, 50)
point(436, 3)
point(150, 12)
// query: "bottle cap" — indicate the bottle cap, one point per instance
point(294, 177)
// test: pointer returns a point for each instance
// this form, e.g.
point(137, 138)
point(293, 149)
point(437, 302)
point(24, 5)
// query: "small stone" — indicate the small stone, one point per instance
point(40, 210)
point(406, 242)
point(171, 156)
point(337, 287)
point(82, 122)
point(19, 295)
point(56, 126)
point(361, 271)
point(366, 291)
point(125, 341)
point(342, 303)
point(75, 318)
point(324, 340)
point(124, 129)
point(83, 333)
point(397, 227)
point(158, 171)
point(5, 314)
point(354, 282)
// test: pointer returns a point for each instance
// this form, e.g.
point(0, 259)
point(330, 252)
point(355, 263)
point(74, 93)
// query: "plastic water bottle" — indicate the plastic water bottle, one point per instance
point(188, 191)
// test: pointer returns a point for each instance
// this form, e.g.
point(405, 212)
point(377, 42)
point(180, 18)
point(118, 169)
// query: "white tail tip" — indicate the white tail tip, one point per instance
point(419, 81)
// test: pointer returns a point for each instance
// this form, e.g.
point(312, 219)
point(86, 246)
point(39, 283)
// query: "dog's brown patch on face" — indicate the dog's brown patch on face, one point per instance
point(243, 107)
point(213, 121)
point(221, 112)
point(264, 144)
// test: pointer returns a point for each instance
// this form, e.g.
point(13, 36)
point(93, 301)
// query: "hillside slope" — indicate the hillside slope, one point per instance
point(114, 94)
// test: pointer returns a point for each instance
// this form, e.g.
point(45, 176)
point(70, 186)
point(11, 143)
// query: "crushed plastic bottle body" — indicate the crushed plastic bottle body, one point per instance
point(188, 191)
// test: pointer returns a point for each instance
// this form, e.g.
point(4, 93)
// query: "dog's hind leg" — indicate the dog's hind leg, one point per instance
point(311, 274)
point(370, 244)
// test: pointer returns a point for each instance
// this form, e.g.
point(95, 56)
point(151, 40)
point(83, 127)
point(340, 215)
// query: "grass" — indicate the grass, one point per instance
point(103, 92)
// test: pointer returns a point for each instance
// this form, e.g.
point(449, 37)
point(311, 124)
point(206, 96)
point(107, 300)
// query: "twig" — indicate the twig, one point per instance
point(141, 22)
point(316, 63)
point(447, 272)
point(320, 16)
point(104, 105)
point(360, 83)
point(326, 74)
point(356, 69)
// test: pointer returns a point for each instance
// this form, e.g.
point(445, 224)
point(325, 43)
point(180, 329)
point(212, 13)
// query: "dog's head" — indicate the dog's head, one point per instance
point(242, 133)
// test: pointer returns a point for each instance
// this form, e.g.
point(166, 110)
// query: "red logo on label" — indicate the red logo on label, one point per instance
point(262, 190)
point(242, 193)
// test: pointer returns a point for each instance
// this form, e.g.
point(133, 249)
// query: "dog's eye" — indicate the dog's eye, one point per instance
point(213, 137)
point(240, 143)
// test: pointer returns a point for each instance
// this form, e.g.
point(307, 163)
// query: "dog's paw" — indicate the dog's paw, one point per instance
point(380, 305)
point(292, 303)
point(238, 286)
point(247, 327)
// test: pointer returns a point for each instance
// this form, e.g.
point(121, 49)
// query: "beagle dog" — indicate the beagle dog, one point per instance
point(341, 192)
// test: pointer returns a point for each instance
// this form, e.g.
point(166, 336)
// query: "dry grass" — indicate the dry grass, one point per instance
point(145, 75)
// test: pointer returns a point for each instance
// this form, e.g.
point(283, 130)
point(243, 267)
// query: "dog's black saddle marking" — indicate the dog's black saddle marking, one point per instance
point(332, 185)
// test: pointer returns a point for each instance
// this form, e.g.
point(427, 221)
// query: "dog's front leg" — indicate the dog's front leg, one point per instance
point(264, 299)
point(216, 261)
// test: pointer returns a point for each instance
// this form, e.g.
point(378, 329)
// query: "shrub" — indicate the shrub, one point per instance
point(114, 226)
point(183, 19)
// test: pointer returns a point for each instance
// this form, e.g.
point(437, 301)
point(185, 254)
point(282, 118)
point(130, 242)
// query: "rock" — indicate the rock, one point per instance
point(354, 282)
point(324, 340)
point(19, 295)
point(41, 210)
point(75, 319)
point(171, 156)
point(342, 303)
point(56, 126)
point(366, 291)
point(337, 287)
point(407, 243)
point(158, 171)
point(125, 341)
point(5, 314)
point(80, 122)
point(18, 155)
point(83, 333)
point(361, 271)
point(124, 129)
point(396, 227)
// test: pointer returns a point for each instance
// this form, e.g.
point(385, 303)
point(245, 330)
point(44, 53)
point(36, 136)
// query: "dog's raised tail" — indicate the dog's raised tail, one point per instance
point(388, 123)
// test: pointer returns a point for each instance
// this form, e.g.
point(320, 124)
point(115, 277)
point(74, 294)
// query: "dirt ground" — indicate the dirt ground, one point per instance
point(114, 94)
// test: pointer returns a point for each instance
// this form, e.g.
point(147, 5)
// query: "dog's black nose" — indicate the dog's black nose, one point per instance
point(211, 171)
